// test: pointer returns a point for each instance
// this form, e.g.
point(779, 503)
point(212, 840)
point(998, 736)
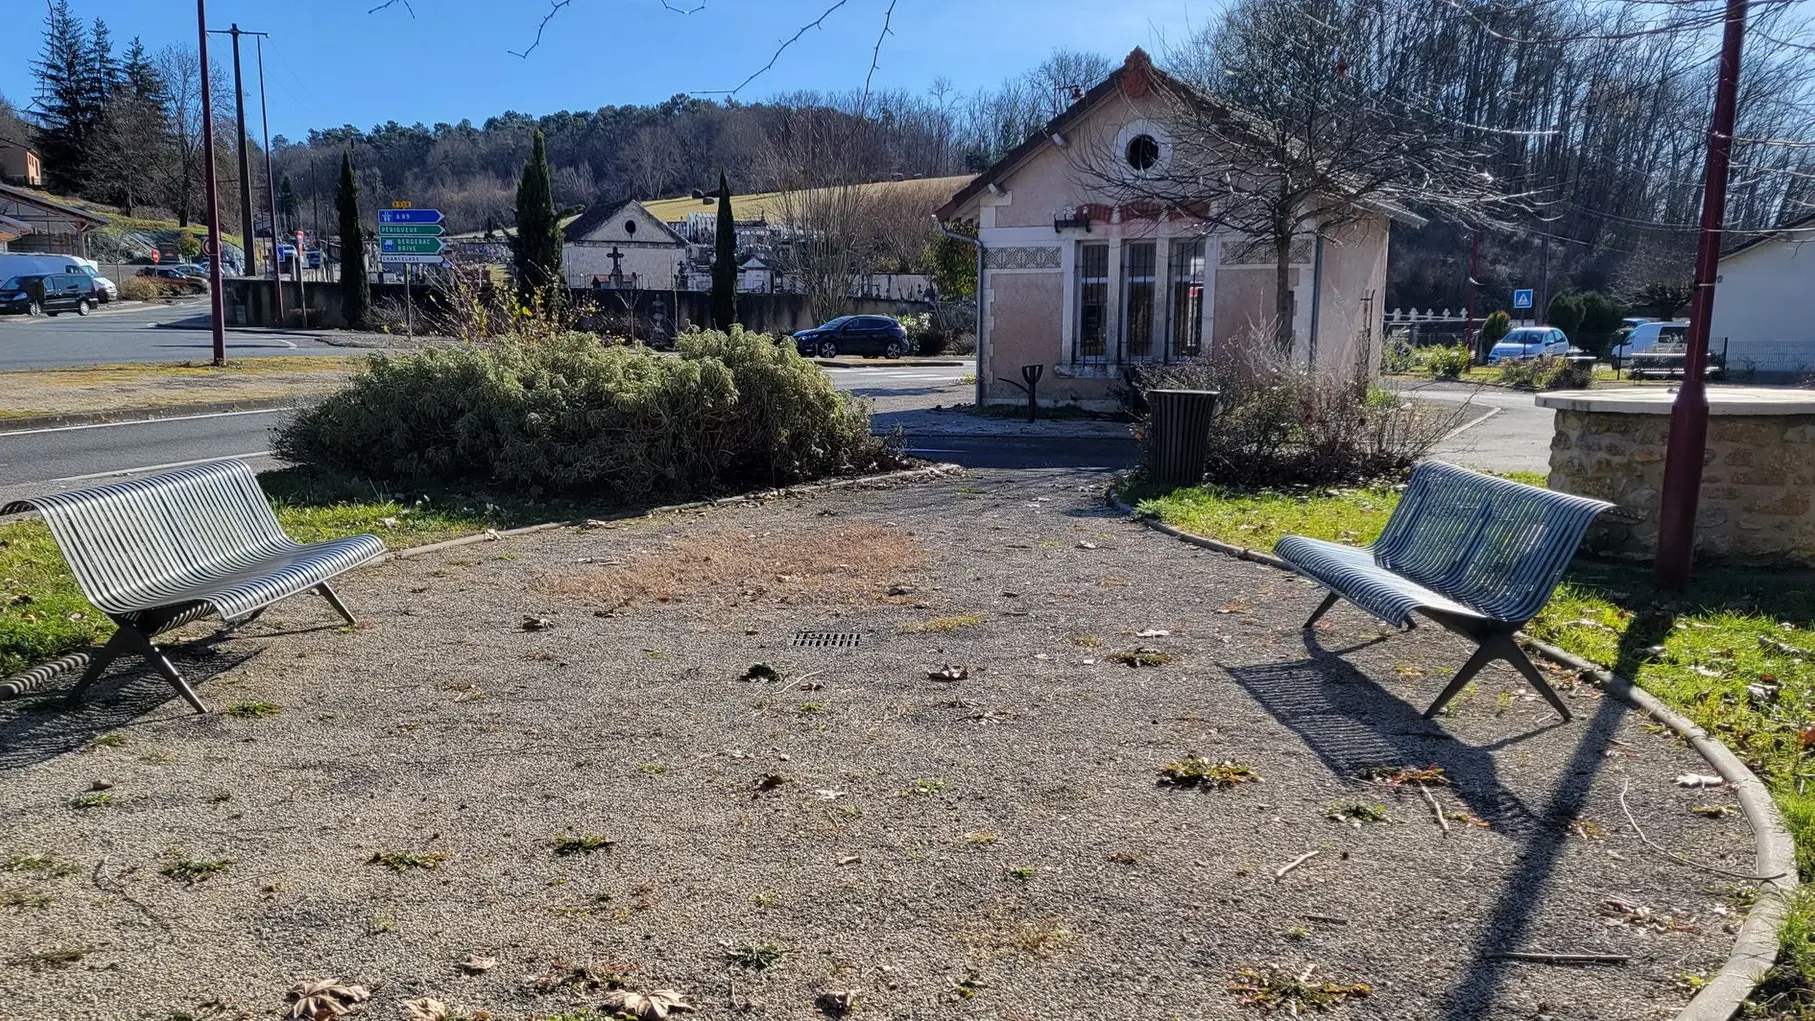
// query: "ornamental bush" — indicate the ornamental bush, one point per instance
point(568, 415)
point(1447, 362)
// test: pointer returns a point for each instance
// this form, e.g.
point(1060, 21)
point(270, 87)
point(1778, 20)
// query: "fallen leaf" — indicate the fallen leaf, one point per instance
point(654, 1005)
point(1087, 545)
point(534, 623)
point(477, 965)
point(761, 672)
point(1713, 811)
point(1699, 780)
point(850, 859)
point(1153, 632)
point(949, 673)
point(838, 1001)
point(325, 999)
point(424, 1009)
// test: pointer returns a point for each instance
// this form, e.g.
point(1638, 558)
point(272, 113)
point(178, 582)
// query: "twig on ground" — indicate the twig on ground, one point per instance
point(1436, 809)
point(1542, 957)
point(1679, 859)
point(1326, 919)
point(1280, 873)
point(119, 890)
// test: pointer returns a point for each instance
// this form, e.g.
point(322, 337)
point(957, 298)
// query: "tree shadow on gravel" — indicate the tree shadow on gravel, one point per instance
point(1351, 724)
point(40, 727)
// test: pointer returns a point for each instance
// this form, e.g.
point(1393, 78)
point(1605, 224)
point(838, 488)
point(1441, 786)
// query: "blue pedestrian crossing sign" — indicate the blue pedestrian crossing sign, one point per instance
point(1522, 298)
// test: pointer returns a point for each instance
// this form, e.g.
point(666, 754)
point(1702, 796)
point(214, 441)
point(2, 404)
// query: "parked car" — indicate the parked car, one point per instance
point(1529, 342)
point(174, 279)
point(854, 335)
point(1649, 337)
point(48, 293)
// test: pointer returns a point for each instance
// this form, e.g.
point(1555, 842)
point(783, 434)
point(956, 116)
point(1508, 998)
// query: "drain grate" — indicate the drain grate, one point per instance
point(828, 639)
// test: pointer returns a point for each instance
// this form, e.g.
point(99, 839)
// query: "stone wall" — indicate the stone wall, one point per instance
point(1758, 483)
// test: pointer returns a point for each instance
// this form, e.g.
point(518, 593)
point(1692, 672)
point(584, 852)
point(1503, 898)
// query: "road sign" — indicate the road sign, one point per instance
point(401, 205)
point(397, 230)
point(410, 246)
point(408, 216)
point(408, 257)
point(1522, 298)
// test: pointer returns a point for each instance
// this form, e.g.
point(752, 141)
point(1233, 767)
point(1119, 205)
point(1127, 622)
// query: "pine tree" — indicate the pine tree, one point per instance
point(537, 247)
point(355, 289)
point(724, 261)
point(132, 148)
point(103, 69)
point(63, 104)
point(139, 76)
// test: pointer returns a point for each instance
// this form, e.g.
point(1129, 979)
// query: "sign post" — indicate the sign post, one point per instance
point(409, 237)
point(1522, 299)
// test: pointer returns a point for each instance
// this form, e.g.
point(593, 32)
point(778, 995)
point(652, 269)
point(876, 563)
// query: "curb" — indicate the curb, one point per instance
point(891, 363)
point(1755, 945)
point(146, 414)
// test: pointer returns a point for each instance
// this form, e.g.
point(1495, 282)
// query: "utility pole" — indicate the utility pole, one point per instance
point(245, 158)
point(1689, 414)
point(264, 120)
point(1468, 325)
point(216, 306)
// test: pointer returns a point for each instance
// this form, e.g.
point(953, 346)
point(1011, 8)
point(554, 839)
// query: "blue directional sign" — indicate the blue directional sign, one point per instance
point(409, 216)
point(1522, 298)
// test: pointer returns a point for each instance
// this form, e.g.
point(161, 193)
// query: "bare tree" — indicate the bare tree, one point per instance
point(180, 67)
point(649, 160)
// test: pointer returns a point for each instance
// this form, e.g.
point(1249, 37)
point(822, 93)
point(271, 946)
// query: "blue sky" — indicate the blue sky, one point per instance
point(329, 62)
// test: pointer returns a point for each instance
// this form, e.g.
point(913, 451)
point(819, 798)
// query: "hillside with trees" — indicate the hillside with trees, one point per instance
point(1588, 118)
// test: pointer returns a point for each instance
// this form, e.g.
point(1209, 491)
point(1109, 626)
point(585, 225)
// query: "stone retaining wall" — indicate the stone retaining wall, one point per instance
point(1758, 485)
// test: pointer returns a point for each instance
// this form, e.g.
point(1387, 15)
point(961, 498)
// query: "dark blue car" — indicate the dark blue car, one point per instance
point(854, 335)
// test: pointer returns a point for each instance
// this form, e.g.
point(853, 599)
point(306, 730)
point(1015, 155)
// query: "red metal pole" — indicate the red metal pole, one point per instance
point(264, 120)
point(1689, 415)
point(216, 305)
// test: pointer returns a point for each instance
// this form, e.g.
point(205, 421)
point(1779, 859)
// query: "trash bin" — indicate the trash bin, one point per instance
point(1181, 434)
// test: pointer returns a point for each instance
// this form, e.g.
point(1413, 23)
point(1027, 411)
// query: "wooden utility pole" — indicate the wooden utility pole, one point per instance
point(216, 305)
point(1689, 414)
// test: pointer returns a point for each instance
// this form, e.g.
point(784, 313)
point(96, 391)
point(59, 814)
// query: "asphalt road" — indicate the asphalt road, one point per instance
point(1503, 430)
point(133, 332)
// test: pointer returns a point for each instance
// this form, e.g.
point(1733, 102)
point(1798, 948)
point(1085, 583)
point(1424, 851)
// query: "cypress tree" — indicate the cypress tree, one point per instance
point(537, 247)
point(355, 290)
point(724, 261)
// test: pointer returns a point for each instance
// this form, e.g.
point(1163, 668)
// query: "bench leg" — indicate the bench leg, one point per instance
point(130, 639)
point(1322, 608)
point(334, 601)
point(1492, 647)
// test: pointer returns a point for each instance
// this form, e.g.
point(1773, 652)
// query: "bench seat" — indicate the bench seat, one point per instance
point(1351, 570)
point(253, 579)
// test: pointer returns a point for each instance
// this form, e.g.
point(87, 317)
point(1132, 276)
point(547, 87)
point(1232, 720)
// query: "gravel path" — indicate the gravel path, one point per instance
point(991, 847)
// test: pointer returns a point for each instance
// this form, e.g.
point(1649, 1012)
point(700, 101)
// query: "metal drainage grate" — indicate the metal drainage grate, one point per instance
point(828, 639)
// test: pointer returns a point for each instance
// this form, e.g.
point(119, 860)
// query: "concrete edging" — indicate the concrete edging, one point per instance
point(150, 414)
point(1755, 945)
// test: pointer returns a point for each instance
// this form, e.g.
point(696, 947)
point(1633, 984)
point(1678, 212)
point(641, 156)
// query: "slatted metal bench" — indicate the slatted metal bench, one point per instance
point(156, 553)
point(1478, 555)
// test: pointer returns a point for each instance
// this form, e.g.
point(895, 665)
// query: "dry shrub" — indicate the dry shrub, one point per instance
point(849, 564)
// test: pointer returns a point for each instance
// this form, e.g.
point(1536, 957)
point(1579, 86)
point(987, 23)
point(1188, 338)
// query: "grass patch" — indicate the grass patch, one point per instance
point(254, 710)
point(1197, 771)
point(403, 861)
point(19, 900)
point(1274, 988)
point(1140, 657)
point(757, 956)
point(582, 843)
point(40, 864)
point(1358, 812)
point(92, 799)
point(941, 625)
point(194, 870)
point(923, 788)
point(1735, 653)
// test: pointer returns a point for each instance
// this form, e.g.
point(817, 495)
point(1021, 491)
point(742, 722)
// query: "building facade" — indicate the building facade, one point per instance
point(620, 245)
point(1081, 280)
point(1764, 304)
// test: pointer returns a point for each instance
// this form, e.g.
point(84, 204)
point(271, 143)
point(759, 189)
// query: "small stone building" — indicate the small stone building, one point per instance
point(621, 245)
point(1086, 283)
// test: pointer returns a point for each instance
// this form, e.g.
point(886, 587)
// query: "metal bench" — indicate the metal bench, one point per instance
point(159, 552)
point(1477, 554)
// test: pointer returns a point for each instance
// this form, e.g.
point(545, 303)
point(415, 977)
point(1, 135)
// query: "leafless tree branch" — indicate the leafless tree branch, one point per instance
point(875, 55)
point(393, 3)
point(554, 8)
point(791, 40)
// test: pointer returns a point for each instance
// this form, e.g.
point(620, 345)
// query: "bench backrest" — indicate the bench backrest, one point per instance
point(131, 538)
point(1488, 543)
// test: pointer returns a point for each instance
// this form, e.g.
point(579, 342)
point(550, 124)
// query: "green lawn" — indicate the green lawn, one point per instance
point(1735, 653)
point(43, 615)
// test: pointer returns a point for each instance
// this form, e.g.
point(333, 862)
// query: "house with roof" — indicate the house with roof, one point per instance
point(1764, 303)
point(1088, 282)
point(19, 164)
point(621, 245)
point(52, 227)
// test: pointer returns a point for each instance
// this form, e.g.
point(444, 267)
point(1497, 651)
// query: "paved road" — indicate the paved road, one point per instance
point(70, 457)
point(131, 333)
point(1505, 429)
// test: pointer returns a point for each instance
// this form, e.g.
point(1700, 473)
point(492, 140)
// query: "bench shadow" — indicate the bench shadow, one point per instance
point(1352, 723)
point(38, 727)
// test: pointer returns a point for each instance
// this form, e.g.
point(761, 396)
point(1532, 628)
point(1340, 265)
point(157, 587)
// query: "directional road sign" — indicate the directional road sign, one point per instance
point(408, 216)
point(418, 259)
point(410, 246)
point(394, 230)
point(1522, 298)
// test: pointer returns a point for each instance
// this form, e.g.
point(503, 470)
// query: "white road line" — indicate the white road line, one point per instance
point(161, 467)
point(4, 433)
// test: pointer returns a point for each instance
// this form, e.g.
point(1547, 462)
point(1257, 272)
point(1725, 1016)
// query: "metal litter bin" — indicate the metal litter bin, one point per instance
point(1180, 422)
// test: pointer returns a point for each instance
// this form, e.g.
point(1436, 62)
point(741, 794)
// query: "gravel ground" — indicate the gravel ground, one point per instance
point(992, 847)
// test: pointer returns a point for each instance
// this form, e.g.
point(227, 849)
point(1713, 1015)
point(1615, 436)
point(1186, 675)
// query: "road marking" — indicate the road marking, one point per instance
point(139, 421)
point(161, 467)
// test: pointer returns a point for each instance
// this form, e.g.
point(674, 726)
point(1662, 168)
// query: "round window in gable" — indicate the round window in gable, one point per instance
point(1143, 152)
point(630, 226)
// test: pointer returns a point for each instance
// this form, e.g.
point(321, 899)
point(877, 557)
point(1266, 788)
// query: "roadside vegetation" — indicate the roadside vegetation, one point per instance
point(102, 388)
point(1735, 653)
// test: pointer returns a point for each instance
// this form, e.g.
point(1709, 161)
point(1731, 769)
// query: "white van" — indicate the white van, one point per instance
point(14, 264)
point(1652, 337)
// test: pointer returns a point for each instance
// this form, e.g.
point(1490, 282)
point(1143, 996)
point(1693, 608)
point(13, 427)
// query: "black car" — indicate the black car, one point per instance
point(49, 293)
point(854, 335)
